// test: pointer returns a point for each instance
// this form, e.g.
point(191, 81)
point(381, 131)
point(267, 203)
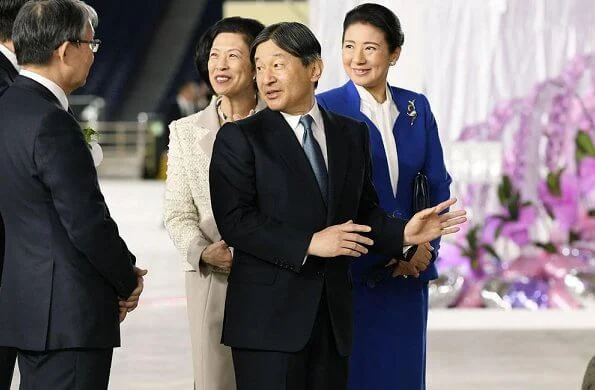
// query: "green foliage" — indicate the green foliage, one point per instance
point(510, 199)
point(584, 145)
point(547, 246)
point(90, 135)
point(472, 250)
point(553, 182)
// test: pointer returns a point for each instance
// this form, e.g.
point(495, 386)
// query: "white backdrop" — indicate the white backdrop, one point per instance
point(467, 55)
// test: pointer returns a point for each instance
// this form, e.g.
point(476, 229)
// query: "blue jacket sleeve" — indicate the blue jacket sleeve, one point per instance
point(438, 178)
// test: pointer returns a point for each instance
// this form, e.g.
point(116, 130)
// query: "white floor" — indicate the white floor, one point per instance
point(156, 345)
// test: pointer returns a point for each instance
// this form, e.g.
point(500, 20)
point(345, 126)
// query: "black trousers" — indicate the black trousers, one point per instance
point(316, 367)
point(8, 357)
point(71, 369)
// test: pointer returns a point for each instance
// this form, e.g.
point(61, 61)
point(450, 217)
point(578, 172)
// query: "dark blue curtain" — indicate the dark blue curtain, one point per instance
point(126, 29)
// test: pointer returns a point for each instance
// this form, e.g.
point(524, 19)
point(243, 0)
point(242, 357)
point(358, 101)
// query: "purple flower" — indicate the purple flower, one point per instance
point(564, 203)
point(451, 257)
point(516, 230)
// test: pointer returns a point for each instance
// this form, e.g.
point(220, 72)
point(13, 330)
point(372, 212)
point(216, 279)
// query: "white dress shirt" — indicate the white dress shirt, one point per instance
point(317, 128)
point(384, 116)
point(49, 84)
point(10, 55)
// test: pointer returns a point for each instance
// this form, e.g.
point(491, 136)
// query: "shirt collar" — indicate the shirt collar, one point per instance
point(294, 120)
point(368, 100)
point(10, 55)
point(49, 84)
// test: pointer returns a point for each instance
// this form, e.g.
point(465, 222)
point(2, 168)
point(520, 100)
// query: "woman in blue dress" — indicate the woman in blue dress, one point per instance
point(389, 349)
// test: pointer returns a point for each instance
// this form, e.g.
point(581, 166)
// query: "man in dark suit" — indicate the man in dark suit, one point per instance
point(291, 191)
point(8, 72)
point(8, 60)
point(68, 277)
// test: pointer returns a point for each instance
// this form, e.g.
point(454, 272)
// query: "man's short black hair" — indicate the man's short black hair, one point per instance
point(8, 13)
point(292, 37)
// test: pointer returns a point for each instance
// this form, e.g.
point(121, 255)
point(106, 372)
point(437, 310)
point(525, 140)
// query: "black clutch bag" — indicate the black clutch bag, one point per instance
point(420, 201)
point(421, 193)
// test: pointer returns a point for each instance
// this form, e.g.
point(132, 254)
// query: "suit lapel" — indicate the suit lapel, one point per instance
point(338, 155)
point(291, 152)
point(354, 102)
point(407, 134)
point(403, 122)
point(208, 120)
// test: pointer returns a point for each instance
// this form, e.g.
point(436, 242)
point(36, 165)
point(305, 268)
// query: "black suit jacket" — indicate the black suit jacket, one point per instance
point(267, 205)
point(7, 75)
point(65, 263)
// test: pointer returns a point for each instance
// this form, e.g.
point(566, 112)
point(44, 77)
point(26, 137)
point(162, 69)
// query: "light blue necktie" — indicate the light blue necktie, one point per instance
point(314, 154)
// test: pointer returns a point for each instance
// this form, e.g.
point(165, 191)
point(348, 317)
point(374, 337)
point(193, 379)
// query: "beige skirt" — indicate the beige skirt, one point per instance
point(212, 362)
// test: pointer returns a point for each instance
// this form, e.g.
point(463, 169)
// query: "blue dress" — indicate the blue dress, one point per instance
point(389, 346)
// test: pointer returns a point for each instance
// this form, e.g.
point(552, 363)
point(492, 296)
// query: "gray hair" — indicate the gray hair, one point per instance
point(42, 26)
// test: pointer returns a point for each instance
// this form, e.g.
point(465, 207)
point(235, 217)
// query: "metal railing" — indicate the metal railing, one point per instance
point(126, 146)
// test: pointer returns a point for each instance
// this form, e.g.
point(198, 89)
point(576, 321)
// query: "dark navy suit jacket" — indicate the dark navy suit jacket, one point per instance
point(7, 75)
point(65, 264)
point(267, 205)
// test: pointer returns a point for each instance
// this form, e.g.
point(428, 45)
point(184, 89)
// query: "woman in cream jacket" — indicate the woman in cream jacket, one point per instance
point(223, 58)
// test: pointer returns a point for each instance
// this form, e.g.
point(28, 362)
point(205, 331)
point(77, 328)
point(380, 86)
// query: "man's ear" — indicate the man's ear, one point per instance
point(316, 72)
point(62, 49)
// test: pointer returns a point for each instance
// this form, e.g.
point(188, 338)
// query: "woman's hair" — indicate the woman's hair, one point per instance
point(379, 17)
point(248, 28)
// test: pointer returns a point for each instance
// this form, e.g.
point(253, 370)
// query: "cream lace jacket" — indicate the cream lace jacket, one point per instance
point(188, 215)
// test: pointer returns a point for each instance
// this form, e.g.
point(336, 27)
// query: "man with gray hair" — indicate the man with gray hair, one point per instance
point(68, 277)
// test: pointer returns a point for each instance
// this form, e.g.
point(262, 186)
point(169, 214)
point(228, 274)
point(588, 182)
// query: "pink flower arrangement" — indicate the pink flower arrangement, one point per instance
point(561, 111)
